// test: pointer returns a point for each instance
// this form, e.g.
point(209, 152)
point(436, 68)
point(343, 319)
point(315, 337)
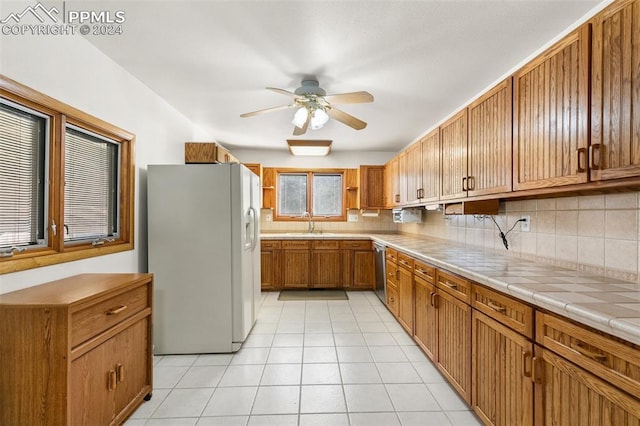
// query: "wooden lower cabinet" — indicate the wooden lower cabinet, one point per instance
point(566, 394)
point(392, 299)
point(270, 265)
point(295, 268)
point(326, 270)
point(406, 302)
point(426, 326)
point(358, 265)
point(502, 389)
point(79, 350)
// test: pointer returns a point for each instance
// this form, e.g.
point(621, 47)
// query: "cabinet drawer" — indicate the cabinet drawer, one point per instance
point(326, 245)
point(613, 361)
point(296, 244)
point(424, 271)
point(90, 321)
point(392, 270)
point(405, 261)
point(514, 314)
point(456, 286)
point(270, 245)
point(356, 245)
point(392, 299)
point(391, 254)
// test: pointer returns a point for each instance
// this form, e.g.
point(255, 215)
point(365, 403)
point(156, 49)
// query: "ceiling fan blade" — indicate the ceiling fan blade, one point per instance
point(297, 131)
point(345, 118)
point(282, 91)
point(262, 111)
point(350, 98)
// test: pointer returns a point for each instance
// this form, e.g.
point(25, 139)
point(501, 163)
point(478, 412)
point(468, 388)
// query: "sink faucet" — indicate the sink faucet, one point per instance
point(311, 225)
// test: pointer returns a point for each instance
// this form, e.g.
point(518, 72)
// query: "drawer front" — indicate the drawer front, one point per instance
point(392, 271)
point(356, 245)
point(326, 245)
point(613, 361)
point(392, 300)
point(296, 244)
point(456, 286)
point(424, 271)
point(391, 254)
point(405, 262)
point(94, 319)
point(270, 245)
point(514, 314)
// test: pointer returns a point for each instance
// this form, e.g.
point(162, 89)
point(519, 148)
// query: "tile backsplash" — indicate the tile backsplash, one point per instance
point(596, 233)
point(381, 223)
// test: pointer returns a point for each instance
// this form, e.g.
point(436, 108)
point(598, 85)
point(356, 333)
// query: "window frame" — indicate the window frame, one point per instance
point(310, 173)
point(60, 114)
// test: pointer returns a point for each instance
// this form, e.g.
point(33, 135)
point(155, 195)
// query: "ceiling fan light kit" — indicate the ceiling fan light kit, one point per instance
point(315, 107)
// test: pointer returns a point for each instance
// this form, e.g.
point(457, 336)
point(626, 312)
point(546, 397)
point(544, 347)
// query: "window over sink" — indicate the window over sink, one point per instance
point(320, 192)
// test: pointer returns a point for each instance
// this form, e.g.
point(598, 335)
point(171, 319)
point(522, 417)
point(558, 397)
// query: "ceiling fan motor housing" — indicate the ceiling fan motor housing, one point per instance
point(310, 87)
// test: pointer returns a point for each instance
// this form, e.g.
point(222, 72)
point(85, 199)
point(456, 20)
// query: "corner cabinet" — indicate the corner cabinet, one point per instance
point(79, 350)
point(550, 131)
point(615, 92)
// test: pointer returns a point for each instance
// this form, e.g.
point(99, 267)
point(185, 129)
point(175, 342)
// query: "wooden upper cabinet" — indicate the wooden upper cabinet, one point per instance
point(392, 189)
point(615, 92)
point(268, 188)
point(430, 190)
point(550, 115)
point(453, 156)
point(413, 173)
point(372, 187)
point(490, 142)
point(352, 182)
point(402, 178)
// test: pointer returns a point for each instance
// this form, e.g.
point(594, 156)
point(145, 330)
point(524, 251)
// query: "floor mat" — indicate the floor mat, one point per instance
point(318, 294)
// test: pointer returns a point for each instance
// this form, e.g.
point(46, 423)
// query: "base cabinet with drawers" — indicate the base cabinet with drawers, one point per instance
point(79, 350)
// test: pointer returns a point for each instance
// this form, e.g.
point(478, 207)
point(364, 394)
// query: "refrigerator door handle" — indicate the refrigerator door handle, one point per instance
point(254, 218)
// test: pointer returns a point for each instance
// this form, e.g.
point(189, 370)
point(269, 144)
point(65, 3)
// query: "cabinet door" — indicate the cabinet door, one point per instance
point(426, 326)
point(551, 116)
point(326, 270)
point(405, 302)
point(615, 92)
point(131, 362)
point(372, 189)
point(454, 342)
point(402, 178)
point(364, 272)
point(565, 394)
point(270, 269)
point(430, 167)
point(92, 386)
point(414, 173)
point(295, 268)
point(453, 157)
point(391, 182)
point(392, 299)
point(501, 364)
point(490, 142)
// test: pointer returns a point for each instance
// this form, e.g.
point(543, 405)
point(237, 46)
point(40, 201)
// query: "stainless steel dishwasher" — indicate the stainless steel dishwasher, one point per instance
point(381, 288)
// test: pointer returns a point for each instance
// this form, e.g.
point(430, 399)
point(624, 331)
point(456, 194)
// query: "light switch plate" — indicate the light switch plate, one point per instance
point(352, 217)
point(525, 226)
point(268, 217)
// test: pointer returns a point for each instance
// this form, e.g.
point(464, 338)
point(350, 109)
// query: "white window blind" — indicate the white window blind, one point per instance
point(90, 186)
point(22, 177)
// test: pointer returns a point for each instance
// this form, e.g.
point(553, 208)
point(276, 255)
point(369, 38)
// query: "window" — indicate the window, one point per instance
point(66, 182)
point(319, 192)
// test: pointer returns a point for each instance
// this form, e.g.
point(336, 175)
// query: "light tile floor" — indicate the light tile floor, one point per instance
point(308, 363)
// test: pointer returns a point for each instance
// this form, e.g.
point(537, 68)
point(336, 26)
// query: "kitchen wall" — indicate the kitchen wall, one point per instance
point(71, 70)
point(381, 224)
point(597, 233)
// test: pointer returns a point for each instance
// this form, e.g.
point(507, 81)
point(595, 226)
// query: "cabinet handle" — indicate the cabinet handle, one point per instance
point(111, 380)
point(464, 183)
point(471, 183)
point(115, 311)
point(596, 153)
point(391, 274)
point(434, 299)
point(119, 372)
point(355, 245)
point(431, 298)
point(497, 308)
point(397, 274)
point(578, 346)
point(449, 284)
point(397, 198)
point(525, 356)
point(535, 370)
point(581, 167)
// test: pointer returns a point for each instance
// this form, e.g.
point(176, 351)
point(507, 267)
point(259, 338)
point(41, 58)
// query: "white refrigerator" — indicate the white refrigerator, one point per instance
point(204, 252)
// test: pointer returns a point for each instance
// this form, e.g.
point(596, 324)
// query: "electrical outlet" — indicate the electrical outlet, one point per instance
point(525, 225)
point(268, 217)
point(352, 217)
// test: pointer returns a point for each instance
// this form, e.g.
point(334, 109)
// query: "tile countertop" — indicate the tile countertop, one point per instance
point(606, 304)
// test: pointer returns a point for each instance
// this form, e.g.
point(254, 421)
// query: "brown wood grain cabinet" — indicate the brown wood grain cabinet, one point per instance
point(413, 173)
point(326, 264)
point(296, 264)
point(270, 267)
point(403, 167)
point(79, 350)
point(352, 187)
point(391, 280)
point(405, 292)
point(453, 157)
point(358, 264)
point(550, 129)
point(490, 142)
point(392, 183)
point(430, 150)
point(615, 92)
point(372, 187)
point(426, 325)
point(268, 188)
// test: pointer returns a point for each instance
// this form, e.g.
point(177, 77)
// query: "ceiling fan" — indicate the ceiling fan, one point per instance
point(315, 107)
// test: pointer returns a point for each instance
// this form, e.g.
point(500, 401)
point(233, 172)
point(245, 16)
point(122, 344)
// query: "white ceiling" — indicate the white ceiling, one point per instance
point(211, 60)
